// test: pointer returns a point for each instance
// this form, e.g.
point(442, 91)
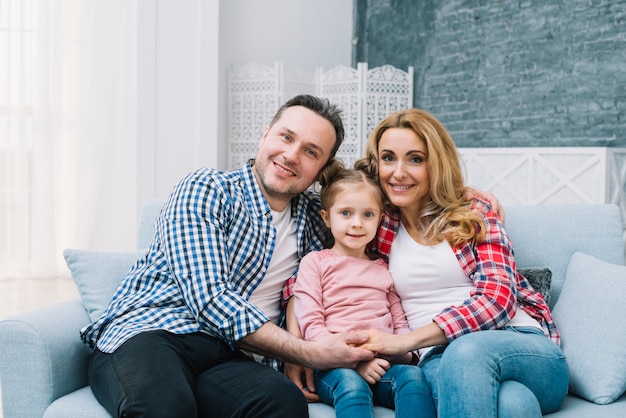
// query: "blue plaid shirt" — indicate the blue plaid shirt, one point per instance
point(212, 247)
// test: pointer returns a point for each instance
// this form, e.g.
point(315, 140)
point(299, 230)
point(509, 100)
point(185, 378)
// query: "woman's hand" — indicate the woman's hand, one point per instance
point(372, 371)
point(387, 344)
point(400, 344)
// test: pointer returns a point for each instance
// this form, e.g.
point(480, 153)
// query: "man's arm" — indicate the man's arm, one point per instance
point(193, 229)
point(337, 350)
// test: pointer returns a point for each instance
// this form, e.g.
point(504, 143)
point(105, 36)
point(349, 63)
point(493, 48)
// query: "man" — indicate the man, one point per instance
point(181, 334)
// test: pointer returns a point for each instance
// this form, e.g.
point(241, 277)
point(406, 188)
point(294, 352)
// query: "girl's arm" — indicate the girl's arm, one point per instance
point(303, 377)
point(308, 298)
point(400, 326)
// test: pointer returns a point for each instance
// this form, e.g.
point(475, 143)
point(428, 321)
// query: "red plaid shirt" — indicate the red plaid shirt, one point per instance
point(498, 287)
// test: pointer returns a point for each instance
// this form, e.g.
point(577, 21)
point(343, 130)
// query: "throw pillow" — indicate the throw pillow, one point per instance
point(97, 275)
point(540, 279)
point(590, 317)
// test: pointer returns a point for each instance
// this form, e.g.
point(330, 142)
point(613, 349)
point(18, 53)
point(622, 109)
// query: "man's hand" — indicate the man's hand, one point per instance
point(304, 379)
point(340, 350)
point(330, 352)
point(372, 371)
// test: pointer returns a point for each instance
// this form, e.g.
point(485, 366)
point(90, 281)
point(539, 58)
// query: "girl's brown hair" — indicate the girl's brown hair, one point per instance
point(335, 178)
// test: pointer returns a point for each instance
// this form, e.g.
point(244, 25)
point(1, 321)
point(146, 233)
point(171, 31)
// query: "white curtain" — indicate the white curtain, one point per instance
point(68, 131)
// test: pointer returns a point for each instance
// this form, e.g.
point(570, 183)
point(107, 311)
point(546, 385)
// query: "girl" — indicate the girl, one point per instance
point(341, 289)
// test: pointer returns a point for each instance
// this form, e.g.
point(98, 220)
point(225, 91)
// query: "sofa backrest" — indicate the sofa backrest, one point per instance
point(149, 213)
point(548, 235)
point(542, 236)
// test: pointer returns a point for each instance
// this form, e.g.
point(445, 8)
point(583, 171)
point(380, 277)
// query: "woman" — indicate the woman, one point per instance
point(453, 267)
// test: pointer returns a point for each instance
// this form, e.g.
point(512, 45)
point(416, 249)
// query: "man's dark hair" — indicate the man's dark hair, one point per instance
point(322, 107)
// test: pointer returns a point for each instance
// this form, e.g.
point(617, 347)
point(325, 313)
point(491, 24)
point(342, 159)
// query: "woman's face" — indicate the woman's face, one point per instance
point(402, 168)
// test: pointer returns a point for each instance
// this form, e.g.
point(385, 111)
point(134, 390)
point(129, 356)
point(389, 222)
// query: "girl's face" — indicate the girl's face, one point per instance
point(402, 168)
point(353, 219)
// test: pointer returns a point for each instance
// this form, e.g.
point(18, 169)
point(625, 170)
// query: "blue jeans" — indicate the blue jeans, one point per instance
point(402, 387)
point(509, 373)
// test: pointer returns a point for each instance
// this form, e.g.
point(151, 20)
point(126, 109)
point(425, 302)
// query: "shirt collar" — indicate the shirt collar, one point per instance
point(254, 195)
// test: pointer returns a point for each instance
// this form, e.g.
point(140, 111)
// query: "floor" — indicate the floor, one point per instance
point(22, 295)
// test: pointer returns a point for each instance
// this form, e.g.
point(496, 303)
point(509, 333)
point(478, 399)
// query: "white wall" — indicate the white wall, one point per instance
point(300, 33)
point(186, 48)
point(178, 76)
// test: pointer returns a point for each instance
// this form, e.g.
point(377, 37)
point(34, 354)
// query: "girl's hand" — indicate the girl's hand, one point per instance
point(372, 371)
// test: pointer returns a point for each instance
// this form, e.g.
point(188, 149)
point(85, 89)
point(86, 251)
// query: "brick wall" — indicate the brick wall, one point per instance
point(507, 73)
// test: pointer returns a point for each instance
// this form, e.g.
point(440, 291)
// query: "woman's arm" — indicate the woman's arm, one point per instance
point(399, 344)
point(490, 304)
point(491, 266)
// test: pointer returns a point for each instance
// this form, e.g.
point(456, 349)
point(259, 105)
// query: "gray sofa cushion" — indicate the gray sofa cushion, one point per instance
point(540, 279)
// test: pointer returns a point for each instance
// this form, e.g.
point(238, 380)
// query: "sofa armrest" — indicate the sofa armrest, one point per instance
point(43, 358)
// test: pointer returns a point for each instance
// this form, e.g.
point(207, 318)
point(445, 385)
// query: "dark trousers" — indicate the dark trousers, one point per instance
point(159, 374)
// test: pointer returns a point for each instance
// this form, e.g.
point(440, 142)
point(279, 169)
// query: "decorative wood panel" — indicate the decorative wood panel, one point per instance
point(537, 176)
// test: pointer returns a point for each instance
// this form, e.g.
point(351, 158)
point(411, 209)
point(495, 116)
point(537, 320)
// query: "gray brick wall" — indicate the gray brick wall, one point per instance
point(507, 73)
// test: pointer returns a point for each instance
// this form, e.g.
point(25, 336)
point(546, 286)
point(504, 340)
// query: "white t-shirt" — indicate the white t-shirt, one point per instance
point(283, 263)
point(428, 279)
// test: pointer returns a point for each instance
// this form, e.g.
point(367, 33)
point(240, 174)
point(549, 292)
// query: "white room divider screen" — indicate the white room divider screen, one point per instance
point(365, 96)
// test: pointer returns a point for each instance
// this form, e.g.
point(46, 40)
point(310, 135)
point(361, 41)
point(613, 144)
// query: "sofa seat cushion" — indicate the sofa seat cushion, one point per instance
point(321, 410)
point(575, 407)
point(78, 404)
point(82, 403)
point(590, 317)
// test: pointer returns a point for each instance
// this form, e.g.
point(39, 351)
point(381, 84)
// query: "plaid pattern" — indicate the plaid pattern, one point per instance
point(498, 287)
point(212, 247)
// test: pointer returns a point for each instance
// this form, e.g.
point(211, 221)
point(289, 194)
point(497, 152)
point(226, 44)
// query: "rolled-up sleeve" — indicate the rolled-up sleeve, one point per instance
point(491, 266)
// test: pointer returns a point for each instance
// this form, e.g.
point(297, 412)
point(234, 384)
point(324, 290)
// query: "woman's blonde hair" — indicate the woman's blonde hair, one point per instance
point(447, 215)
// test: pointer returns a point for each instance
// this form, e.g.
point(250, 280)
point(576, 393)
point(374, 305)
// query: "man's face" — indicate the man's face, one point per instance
point(291, 154)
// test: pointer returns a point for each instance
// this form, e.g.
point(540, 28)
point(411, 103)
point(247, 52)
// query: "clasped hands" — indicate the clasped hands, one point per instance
point(370, 353)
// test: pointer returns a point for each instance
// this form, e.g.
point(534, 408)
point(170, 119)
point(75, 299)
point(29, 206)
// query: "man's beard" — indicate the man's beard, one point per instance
point(282, 195)
point(287, 194)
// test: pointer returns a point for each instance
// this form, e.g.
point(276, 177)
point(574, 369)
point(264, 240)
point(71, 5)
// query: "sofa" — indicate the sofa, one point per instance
point(43, 363)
